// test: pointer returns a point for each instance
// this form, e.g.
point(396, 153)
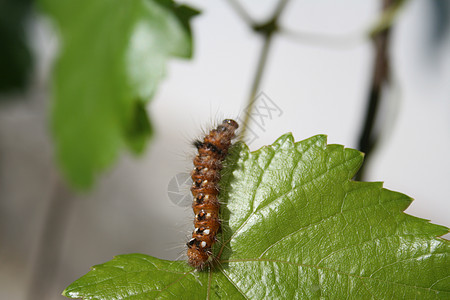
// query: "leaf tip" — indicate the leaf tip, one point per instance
point(70, 294)
point(285, 140)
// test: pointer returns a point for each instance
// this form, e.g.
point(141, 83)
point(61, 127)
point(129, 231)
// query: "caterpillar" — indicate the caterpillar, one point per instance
point(205, 176)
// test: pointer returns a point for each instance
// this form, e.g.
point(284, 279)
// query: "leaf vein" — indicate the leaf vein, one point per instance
point(335, 271)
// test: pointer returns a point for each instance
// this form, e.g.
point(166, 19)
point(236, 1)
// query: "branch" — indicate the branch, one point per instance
point(380, 76)
point(50, 242)
point(267, 30)
point(387, 17)
point(240, 10)
point(324, 40)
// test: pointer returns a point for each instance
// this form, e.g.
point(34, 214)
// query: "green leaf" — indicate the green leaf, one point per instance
point(295, 226)
point(113, 55)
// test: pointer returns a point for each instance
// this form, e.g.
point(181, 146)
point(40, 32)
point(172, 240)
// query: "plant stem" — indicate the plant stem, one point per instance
point(257, 80)
point(387, 17)
point(324, 40)
point(50, 243)
point(279, 9)
point(240, 10)
point(267, 30)
point(380, 76)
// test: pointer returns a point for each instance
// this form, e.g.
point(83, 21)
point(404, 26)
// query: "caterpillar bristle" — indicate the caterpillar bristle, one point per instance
point(205, 189)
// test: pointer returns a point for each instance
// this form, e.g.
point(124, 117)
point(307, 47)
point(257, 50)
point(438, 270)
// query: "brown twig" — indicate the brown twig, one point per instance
point(380, 76)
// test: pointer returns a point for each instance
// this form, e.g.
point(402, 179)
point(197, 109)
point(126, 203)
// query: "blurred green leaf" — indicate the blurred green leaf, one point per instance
point(113, 54)
point(295, 226)
point(15, 55)
point(140, 130)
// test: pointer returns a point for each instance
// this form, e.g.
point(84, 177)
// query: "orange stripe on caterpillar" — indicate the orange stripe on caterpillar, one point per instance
point(206, 176)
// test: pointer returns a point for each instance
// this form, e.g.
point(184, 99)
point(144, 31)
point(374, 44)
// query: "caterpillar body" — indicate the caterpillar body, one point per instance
point(205, 176)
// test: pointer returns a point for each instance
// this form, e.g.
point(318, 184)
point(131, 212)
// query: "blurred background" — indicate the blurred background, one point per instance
point(318, 72)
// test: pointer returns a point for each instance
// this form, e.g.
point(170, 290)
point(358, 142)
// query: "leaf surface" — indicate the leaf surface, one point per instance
point(295, 226)
point(112, 57)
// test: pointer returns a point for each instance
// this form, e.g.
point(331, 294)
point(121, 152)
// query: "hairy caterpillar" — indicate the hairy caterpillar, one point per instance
point(206, 175)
